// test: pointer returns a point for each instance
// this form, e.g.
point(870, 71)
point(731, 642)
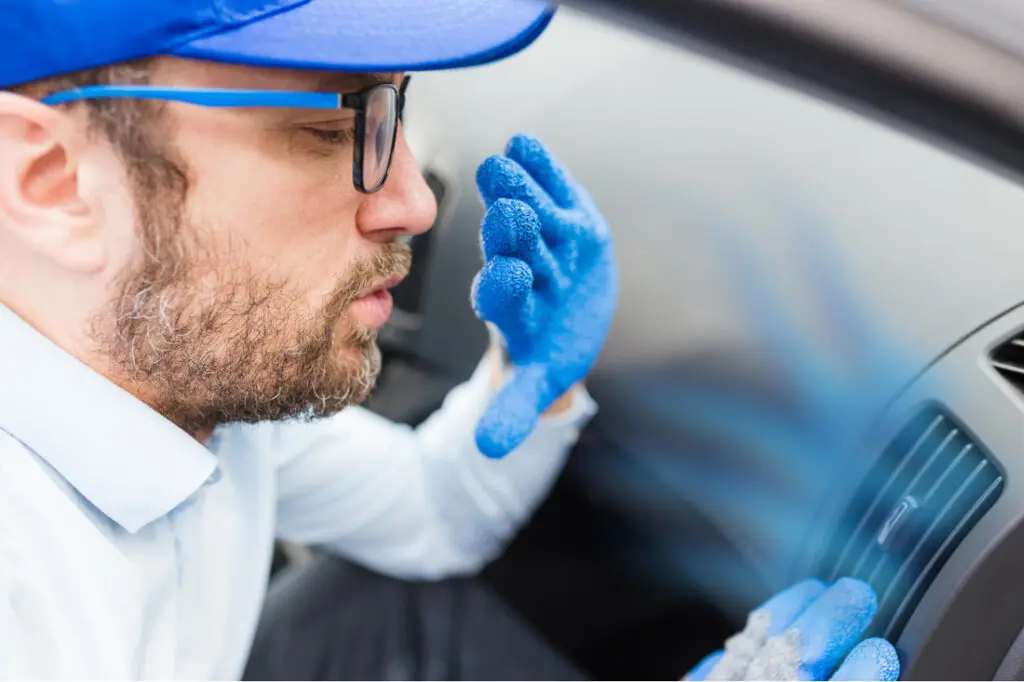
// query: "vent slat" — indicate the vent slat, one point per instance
point(910, 486)
point(1008, 360)
point(947, 508)
point(949, 470)
point(921, 497)
point(916, 591)
point(872, 507)
point(1016, 370)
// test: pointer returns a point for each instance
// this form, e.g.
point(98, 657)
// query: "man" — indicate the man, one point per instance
point(202, 206)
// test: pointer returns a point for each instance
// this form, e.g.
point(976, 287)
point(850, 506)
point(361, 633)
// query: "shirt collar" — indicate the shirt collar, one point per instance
point(126, 459)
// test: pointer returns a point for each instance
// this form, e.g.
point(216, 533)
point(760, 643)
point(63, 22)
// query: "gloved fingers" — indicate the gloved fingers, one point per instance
point(499, 177)
point(513, 414)
point(512, 228)
point(754, 652)
point(567, 233)
point(701, 670)
point(531, 154)
point(557, 181)
point(788, 605)
point(832, 625)
point(503, 294)
point(872, 659)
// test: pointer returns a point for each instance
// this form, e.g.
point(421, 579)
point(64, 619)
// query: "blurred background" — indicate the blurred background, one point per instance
point(671, 520)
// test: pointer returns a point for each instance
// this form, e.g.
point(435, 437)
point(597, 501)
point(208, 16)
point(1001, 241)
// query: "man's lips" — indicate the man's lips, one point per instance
point(373, 309)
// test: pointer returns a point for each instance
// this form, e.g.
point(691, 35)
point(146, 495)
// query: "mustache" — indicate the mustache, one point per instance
point(393, 261)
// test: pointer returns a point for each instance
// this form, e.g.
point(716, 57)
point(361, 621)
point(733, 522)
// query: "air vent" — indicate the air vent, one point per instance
point(920, 499)
point(1008, 360)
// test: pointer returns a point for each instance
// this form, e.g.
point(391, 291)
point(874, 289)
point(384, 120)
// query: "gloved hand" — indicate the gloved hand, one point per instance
point(803, 633)
point(549, 284)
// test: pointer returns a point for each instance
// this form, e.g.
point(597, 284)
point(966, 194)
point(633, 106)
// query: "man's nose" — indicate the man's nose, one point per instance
point(405, 206)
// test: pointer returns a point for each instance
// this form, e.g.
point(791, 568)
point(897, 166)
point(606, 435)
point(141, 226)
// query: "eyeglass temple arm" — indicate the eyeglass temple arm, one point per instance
point(209, 97)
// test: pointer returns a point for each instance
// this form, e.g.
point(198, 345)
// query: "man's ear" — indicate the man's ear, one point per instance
point(41, 205)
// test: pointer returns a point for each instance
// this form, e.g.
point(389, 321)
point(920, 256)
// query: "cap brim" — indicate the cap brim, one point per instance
point(380, 35)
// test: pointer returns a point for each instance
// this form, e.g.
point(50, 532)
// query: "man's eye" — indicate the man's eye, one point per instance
point(332, 136)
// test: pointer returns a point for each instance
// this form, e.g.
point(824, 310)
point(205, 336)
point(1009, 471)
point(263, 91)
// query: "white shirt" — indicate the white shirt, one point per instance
point(130, 550)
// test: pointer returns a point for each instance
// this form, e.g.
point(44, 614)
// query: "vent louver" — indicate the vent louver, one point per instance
point(920, 499)
point(1008, 360)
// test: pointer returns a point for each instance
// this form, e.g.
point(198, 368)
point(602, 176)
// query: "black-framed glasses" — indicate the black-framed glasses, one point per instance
point(379, 111)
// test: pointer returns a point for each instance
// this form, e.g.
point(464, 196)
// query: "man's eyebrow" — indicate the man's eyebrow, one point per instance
point(349, 82)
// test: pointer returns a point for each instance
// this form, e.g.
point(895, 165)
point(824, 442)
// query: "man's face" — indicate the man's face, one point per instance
point(254, 290)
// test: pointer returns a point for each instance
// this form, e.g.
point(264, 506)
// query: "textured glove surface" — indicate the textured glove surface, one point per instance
point(803, 633)
point(549, 284)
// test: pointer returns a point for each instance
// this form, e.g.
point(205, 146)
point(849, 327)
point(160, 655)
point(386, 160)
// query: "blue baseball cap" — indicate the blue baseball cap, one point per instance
point(44, 38)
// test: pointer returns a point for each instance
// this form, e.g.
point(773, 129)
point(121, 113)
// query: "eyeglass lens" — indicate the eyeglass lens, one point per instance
point(379, 140)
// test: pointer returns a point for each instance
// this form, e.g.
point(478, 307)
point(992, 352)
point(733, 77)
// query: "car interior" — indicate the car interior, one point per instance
point(893, 128)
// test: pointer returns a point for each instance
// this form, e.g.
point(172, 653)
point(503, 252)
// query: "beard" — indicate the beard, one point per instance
point(205, 342)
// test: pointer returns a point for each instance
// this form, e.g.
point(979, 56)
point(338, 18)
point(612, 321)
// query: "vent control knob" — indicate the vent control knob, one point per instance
point(896, 520)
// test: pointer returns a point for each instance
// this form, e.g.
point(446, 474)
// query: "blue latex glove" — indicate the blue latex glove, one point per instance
point(549, 284)
point(803, 633)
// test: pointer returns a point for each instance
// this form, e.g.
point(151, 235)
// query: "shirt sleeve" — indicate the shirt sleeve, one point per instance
point(418, 503)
